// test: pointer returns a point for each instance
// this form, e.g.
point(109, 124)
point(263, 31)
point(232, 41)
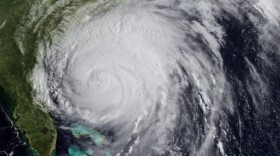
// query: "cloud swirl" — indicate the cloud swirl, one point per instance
point(147, 70)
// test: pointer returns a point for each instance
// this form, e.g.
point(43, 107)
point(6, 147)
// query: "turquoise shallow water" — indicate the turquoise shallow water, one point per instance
point(222, 93)
point(77, 151)
point(80, 130)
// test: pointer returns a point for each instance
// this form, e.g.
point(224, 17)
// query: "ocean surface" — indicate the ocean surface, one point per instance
point(156, 78)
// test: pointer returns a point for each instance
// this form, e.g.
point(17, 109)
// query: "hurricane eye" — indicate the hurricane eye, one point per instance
point(99, 80)
point(151, 77)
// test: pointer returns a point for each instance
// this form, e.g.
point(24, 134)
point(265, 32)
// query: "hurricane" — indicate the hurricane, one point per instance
point(158, 77)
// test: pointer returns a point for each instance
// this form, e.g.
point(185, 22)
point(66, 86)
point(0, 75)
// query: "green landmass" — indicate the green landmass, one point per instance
point(35, 125)
point(23, 25)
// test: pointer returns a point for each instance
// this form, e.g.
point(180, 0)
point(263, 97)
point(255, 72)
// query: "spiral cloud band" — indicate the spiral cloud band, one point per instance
point(144, 70)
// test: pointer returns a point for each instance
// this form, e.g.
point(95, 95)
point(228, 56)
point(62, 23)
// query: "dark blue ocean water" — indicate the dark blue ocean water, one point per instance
point(251, 130)
point(10, 142)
